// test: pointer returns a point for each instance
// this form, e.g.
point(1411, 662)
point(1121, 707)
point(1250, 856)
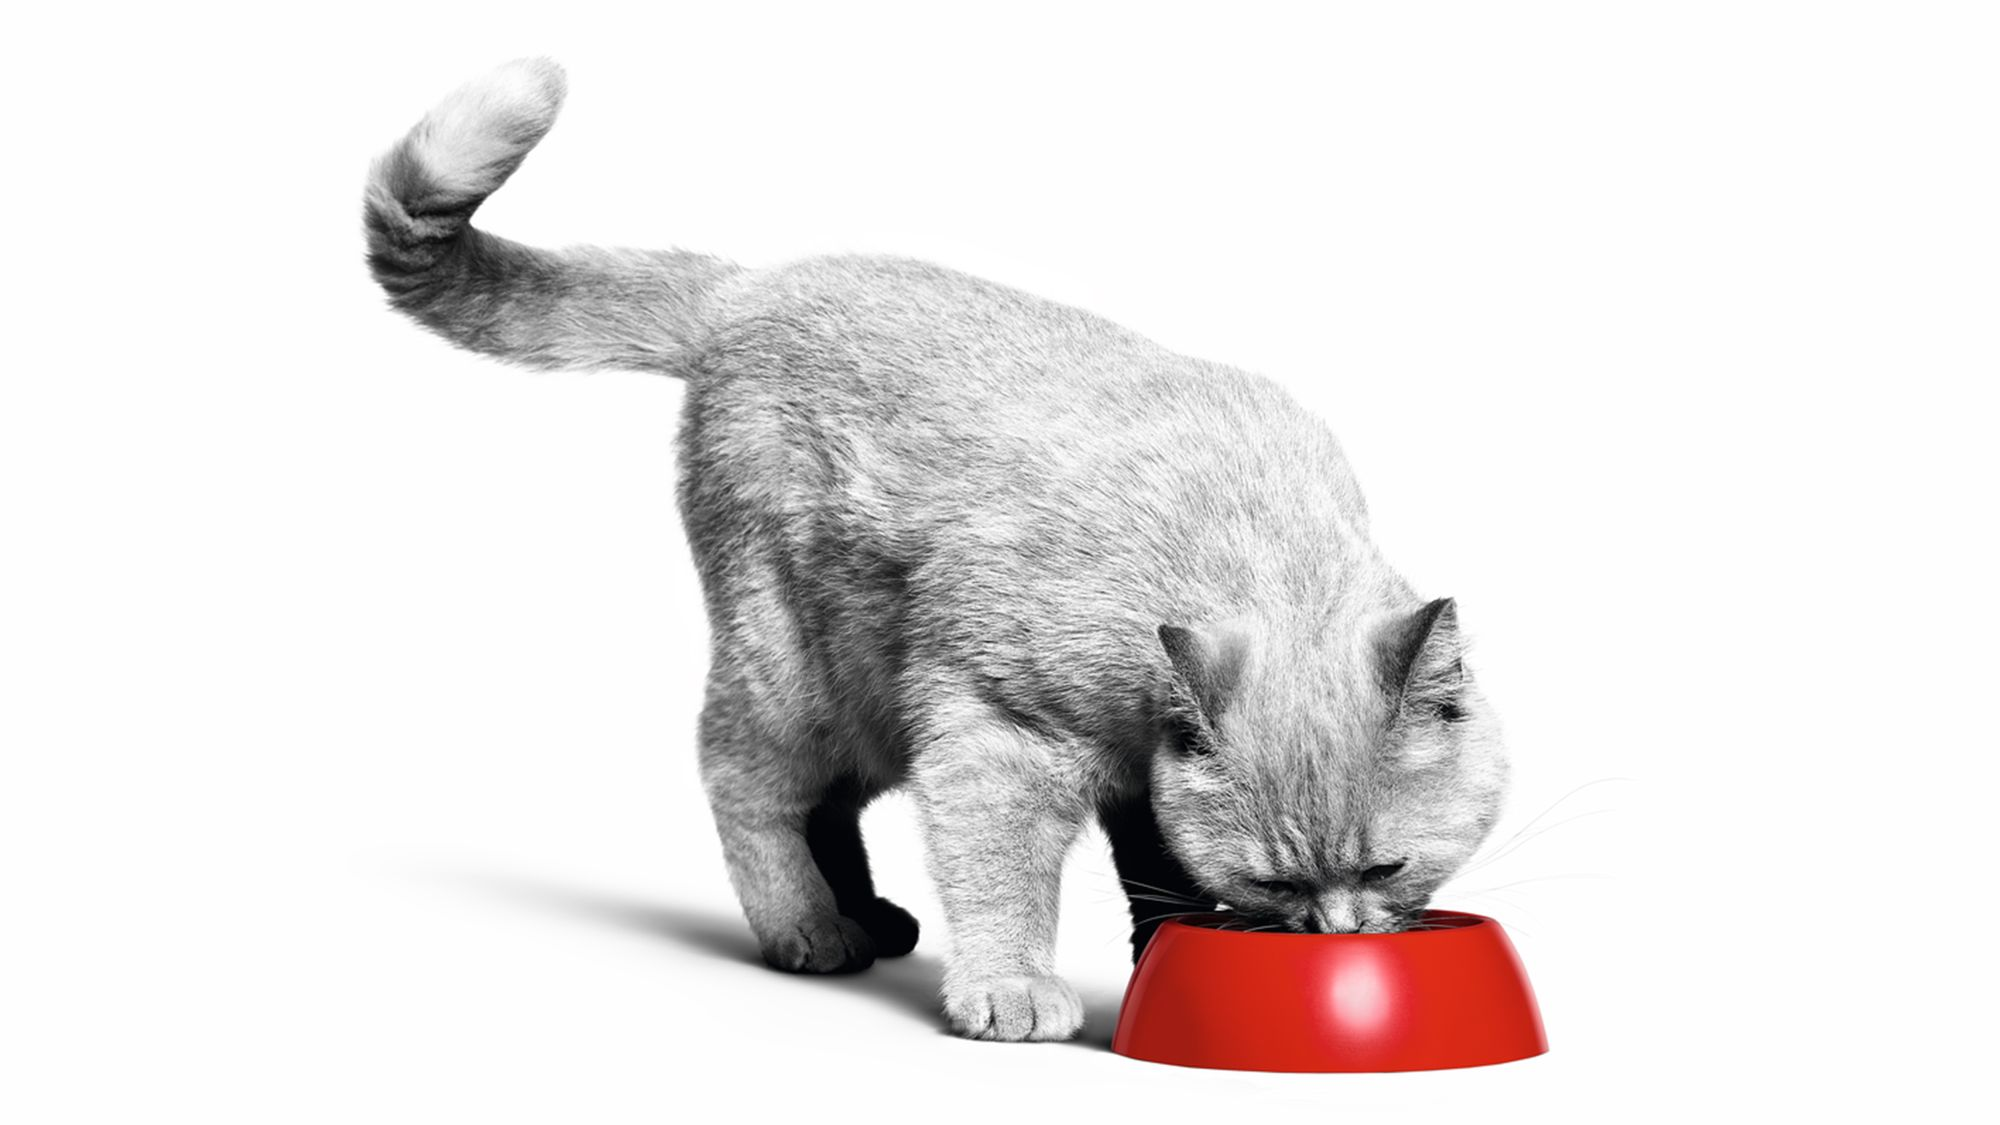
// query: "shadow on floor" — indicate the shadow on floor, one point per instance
point(907, 983)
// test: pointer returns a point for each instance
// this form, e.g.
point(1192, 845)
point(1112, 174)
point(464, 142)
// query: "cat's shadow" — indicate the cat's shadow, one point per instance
point(908, 983)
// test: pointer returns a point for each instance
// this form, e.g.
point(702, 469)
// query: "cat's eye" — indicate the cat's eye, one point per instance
point(1283, 888)
point(1450, 712)
point(1381, 871)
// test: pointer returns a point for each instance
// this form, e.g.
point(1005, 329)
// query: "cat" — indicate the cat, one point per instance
point(999, 552)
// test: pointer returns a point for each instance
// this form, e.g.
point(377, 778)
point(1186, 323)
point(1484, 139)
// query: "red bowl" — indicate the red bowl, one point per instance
point(1450, 993)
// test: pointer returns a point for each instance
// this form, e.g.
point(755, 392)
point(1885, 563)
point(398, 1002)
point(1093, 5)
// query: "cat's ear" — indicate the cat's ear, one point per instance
point(1421, 654)
point(1208, 661)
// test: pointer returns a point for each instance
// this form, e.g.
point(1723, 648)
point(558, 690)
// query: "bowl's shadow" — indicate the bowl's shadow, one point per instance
point(908, 983)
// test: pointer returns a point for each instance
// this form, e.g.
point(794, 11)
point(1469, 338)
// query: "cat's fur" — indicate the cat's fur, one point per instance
point(999, 551)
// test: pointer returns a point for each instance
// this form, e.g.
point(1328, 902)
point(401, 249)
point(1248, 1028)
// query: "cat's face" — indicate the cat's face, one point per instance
point(1331, 787)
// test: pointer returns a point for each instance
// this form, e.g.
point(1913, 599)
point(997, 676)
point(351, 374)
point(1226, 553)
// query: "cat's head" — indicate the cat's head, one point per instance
point(1327, 783)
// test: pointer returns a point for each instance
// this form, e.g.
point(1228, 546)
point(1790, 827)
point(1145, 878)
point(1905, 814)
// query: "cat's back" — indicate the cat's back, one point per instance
point(917, 410)
point(939, 362)
point(862, 329)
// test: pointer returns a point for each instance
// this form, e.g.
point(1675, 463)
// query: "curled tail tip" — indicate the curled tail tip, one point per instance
point(423, 191)
point(523, 94)
point(475, 138)
point(469, 143)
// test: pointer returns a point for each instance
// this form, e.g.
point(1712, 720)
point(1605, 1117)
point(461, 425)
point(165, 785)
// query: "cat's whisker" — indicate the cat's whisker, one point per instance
point(1503, 900)
point(1520, 841)
point(1163, 892)
point(1153, 887)
point(1170, 914)
point(1542, 879)
point(1172, 901)
point(1502, 846)
point(1475, 900)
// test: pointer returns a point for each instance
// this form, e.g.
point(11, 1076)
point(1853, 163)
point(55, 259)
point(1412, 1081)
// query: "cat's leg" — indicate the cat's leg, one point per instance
point(997, 825)
point(759, 768)
point(1156, 885)
point(833, 832)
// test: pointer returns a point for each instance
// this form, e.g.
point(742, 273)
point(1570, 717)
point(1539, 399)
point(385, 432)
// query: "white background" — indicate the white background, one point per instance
point(349, 682)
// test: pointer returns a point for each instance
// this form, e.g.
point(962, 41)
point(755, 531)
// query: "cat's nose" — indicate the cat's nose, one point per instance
point(1334, 915)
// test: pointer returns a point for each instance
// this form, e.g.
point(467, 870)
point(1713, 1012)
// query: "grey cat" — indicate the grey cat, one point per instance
point(1019, 560)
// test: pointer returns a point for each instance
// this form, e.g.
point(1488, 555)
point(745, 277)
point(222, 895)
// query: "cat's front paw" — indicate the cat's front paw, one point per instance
point(1014, 1008)
point(824, 944)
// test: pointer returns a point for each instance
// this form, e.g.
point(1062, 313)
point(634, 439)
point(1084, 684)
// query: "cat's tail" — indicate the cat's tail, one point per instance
point(582, 307)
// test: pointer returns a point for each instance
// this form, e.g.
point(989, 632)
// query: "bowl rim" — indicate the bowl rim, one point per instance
point(1466, 919)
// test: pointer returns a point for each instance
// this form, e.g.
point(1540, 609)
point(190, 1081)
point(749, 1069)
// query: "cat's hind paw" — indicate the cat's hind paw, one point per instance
point(825, 944)
point(1014, 1009)
point(891, 927)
